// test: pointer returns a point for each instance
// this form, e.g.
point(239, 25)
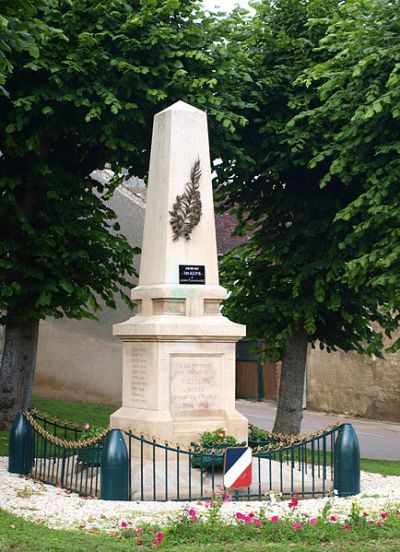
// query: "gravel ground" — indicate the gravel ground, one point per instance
point(60, 509)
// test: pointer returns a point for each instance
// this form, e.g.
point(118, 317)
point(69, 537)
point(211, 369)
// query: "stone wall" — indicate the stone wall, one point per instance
point(349, 383)
point(80, 359)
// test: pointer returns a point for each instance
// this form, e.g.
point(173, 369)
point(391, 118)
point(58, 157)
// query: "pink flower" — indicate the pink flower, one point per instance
point(251, 515)
point(275, 519)
point(293, 503)
point(227, 497)
point(192, 514)
point(240, 515)
point(313, 521)
point(256, 522)
point(156, 542)
point(371, 522)
point(124, 524)
point(346, 527)
point(247, 519)
point(384, 515)
point(297, 526)
point(160, 536)
point(138, 532)
point(333, 518)
point(378, 524)
point(207, 503)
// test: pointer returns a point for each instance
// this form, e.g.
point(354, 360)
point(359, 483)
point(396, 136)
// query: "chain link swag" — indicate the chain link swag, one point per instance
point(281, 440)
point(90, 441)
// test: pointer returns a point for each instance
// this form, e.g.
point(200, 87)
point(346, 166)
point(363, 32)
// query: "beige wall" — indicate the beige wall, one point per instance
point(80, 359)
point(354, 384)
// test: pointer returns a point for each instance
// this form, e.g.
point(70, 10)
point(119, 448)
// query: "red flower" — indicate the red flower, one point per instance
point(275, 519)
point(160, 536)
point(293, 503)
point(297, 526)
point(384, 515)
point(346, 527)
point(333, 518)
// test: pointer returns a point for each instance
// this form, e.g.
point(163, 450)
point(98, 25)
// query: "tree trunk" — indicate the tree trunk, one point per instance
point(290, 403)
point(17, 369)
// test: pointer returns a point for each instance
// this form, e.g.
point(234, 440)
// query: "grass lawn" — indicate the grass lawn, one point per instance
point(19, 535)
point(98, 415)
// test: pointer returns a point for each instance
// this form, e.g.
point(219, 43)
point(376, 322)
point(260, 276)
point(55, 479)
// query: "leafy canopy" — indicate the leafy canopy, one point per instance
point(87, 97)
point(21, 30)
point(358, 85)
point(294, 271)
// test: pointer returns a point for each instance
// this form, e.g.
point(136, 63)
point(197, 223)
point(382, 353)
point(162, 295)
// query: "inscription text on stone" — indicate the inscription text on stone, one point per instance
point(194, 383)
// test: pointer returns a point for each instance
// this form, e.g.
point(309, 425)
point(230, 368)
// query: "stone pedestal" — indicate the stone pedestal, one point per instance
point(179, 351)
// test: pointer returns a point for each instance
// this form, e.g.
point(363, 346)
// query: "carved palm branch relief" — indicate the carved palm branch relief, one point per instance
point(186, 212)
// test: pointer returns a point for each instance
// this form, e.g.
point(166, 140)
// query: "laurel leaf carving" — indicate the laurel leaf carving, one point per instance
point(186, 211)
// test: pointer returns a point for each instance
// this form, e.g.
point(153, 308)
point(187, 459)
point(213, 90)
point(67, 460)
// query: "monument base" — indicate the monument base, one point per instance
point(162, 427)
point(179, 377)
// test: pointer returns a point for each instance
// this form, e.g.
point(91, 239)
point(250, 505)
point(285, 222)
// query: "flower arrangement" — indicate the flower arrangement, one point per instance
point(216, 439)
point(89, 431)
point(256, 435)
point(90, 455)
point(207, 449)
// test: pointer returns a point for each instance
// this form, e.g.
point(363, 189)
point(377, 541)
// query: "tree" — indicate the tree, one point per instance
point(358, 86)
point(87, 98)
point(290, 281)
point(21, 29)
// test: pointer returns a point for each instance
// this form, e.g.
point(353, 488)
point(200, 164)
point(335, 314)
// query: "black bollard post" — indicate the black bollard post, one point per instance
point(114, 468)
point(20, 458)
point(347, 462)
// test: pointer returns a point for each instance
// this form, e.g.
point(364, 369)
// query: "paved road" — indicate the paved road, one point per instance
point(377, 439)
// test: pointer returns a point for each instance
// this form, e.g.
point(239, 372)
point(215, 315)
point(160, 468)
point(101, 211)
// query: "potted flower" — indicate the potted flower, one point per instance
point(257, 437)
point(210, 441)
point(91, 454)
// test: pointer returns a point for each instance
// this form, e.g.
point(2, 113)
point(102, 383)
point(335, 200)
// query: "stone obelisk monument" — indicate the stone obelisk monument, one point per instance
point(178, 350)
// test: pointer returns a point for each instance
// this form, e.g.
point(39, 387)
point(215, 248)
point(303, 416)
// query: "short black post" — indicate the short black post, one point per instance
point(115, 468)
point(347, 462)
point(20, 458)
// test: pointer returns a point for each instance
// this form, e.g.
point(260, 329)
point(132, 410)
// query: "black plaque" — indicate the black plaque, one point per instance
point(192, 274)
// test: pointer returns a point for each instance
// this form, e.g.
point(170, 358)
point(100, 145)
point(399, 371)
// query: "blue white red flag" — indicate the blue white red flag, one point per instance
point(237, 467)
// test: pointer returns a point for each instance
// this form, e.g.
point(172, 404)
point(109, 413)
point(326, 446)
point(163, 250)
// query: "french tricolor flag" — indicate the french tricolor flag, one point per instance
point(237, 467)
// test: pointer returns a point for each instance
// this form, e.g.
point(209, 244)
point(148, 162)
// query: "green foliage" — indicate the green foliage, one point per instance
point(256, 433)
point(358, 85)
point(88, 97)
point(21, 30)
point(90, 431)
point(215, 439)
point(22, 535)
point(298, 270)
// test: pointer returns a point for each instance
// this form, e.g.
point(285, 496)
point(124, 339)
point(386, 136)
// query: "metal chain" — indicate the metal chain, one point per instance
point(281, 440)
point(54, 420)
point(90, 441)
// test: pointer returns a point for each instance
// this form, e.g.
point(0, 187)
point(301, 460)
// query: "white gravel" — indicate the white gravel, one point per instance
point(60, 509)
